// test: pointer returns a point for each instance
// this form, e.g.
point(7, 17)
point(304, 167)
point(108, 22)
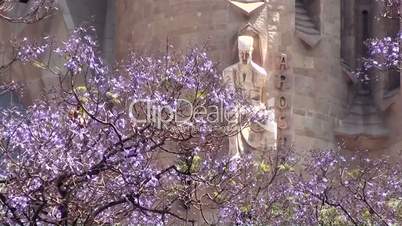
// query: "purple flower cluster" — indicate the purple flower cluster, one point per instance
point(81, 50)
point(29, 51)
point(384, 53)
point(89, 163)
point(79, 158)
point(391, 8)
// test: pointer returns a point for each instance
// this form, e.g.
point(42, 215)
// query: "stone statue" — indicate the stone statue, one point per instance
point(250, 78)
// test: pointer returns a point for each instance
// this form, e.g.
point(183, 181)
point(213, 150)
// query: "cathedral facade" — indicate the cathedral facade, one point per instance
point(309, 48)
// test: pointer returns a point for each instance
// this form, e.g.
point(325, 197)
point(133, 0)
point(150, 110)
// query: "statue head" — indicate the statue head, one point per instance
point(245, 49)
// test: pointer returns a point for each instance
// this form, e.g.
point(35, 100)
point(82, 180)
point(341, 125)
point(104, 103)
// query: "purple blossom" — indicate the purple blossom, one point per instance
point(29, 51)
point(80, 159)
point(81, 50)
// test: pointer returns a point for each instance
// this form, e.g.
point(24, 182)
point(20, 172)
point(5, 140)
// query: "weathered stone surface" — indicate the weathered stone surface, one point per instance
point(318, 92)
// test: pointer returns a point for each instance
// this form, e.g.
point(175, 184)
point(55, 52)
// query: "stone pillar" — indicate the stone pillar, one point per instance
point(110, 32)
point(319, 93)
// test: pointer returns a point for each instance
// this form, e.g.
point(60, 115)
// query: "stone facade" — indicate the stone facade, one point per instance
point(71, 13)
point(382, 112)
point(182, 23)
point(308, 48)
point(315, 91)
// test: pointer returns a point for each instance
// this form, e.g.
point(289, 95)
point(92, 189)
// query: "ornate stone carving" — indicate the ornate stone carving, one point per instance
point(248, 7)
point(259, 43)
point(282, 81)
point(282, 103)
point(282, 121)
point(284, 62)
point(250, 78)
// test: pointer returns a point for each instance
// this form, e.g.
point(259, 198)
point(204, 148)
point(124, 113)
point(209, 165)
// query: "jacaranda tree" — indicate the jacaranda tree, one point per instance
point(384, 52)
point(145, 142)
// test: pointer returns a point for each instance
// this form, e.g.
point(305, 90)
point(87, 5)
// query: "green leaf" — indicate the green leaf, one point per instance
point(39, 65)
point(200, 94)
point(246, 208)
point(264, 167)
point(114, 97)
point(83, 100)
point(81, 89)
point(285, 167)
point(394, 203)
point(182, 166)
point(196, 164)
point(355, 173)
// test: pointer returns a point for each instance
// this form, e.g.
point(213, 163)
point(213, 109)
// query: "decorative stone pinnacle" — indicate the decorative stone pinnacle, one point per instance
point(247, 7)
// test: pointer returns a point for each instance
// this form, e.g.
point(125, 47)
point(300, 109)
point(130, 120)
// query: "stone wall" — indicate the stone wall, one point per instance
point(146, 25)
point(71, 13)
point(319, 93)
point(385, 85)
point(35, 81)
